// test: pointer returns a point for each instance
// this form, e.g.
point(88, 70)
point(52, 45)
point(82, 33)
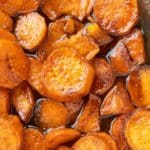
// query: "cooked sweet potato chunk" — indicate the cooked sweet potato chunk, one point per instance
point(6, 21)
point(57, 137)
point(23, 100)
point(50, 114)
point(89, 119)
point(117, 132)
point(30, 30)
point(13, 64)
point(4, 101)
point(11, 7)
point(33, 140)
point(116, 17)
point(77, 8)
point(11, 133)
point(63, 147)
point(66, 76)
point(117, 101)
point(137, 130)
point(138, 84)
point(104, 78)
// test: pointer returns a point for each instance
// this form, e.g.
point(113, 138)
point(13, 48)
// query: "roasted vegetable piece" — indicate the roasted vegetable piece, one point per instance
point(63, 147)
point(11, 133)
point(66, 76)
point(4, 101)
point(77, 8)
point(137, 130)
point(30, 30)
point(11, 7)
point(117, 101)
point(13, 64)
point(138, 84)
point(89, 119)
point(23, 100)
point(50, 114)
point(116, 17)
point(6, 21)
point(104, 78)
point(117, 131)
point(57, 137)
point(33, 140)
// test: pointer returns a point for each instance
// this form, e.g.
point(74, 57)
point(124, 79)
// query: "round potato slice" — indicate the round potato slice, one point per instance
point(30, 30)
point(137, 130)
point(116, 17)
point(66, 76)
point(11, 133)
point(50, 114)
point(13, 64)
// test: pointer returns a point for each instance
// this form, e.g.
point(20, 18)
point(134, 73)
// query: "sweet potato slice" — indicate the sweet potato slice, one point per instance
point(116, 17)
point(11, 133)
point(57, 137)
point(23, 100)
point(50, 114)
point(89, 119)
point(137, 130)
point(117, 101)
point(104, 78)
point(66, 76)
point(138, 84)
point(30, 30)
point(33, 140)
point(11, 7)
point(63, 147)
point(4, 101)
point(6, 21)
point(117, 131)
point(73, 110)
point(13, 64)
point(77, 8)
point(93, 30)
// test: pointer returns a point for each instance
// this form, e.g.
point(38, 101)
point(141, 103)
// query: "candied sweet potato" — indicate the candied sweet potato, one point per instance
point(77, 8)
point(4, 101)
point(6, 21)
point(89, 119)
point(23, 100)
point(104, 78)
point(117, 101)
point(137, 130)
point(11, 133)
point(33, 140)
point(60, 136)
point(138, 84)
point(116, 17)
point(50, 114)
point(13, 64)
point(63, 147)
point(30, 30)
point(66, 76)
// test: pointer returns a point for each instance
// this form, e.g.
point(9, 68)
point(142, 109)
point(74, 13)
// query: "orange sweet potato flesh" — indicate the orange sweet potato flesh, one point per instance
point(50, 114)
point(117, 101)
point(6, 21)
point(117, 131)
point(77, 8)
point(138, 84)
point(23, 100)
point(89, 119)
point(60, 136)
point(4, 101)
point(13, 70)
point(60, 78)
point(33, 139)
point(63, 147)
point(137, 130)
point(104, 78)
point(11, 133)
point(116, 17)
